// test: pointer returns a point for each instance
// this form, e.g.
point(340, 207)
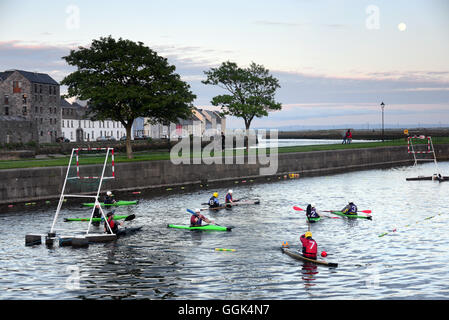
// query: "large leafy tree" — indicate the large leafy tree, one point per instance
point(123, 80)
point(250, 91)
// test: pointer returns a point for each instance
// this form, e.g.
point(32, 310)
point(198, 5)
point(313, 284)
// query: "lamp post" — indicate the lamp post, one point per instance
point(382, 105)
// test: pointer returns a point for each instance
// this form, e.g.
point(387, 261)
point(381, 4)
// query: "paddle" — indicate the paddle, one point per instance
point(364, 211)
point(211, 221)
point(322, 215)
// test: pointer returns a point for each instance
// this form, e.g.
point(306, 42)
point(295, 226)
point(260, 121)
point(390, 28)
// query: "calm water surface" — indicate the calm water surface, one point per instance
point(162, 263)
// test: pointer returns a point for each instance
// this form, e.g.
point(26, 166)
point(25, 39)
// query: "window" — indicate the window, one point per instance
point(42, 133)
point(51, 121)
point(24, 99)
point(6, 111)
point(41, 110)
point(6, 99)
point(35, 88)
point(16, 86)
point(40, 89)
point(24, 110)
point(62, 124)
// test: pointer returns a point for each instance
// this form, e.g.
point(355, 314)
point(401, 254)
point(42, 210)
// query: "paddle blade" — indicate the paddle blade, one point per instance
point(366, 211)
point(190, 211)
point(130, 217)
point(298, 208)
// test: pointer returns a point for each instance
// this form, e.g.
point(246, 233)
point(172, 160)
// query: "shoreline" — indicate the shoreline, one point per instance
point(159, 176)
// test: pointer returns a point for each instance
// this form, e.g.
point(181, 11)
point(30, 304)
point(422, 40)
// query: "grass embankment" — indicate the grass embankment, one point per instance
point(151, 156)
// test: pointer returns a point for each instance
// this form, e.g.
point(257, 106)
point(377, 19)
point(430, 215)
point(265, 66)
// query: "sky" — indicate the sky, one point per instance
point(336, 60)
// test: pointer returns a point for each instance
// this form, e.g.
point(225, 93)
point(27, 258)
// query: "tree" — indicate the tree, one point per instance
point(251, 91)
point(123, 80)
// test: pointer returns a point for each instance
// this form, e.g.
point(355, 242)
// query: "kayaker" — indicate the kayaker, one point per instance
point(309, 246)
point(350, 208)
point(109, 199)
point(228, 198)
point(112, 223)
point(197, 218)
point(213, 201)
point(311, 212)
point(97, 214)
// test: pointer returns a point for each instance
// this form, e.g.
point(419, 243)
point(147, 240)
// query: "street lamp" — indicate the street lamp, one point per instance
point(382, 105)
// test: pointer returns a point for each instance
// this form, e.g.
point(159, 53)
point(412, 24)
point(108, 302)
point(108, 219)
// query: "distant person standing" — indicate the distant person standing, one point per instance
point(222, 141)
point(348, 137)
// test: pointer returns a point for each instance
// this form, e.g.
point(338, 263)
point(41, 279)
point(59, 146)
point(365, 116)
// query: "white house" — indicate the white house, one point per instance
point(76, 126)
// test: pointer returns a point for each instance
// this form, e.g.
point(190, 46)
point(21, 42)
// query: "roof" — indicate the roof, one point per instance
point(34, 77)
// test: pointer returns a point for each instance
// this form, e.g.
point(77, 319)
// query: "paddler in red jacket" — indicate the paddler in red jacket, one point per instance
point(112, 223)
point(309, 246)
point(197, 218)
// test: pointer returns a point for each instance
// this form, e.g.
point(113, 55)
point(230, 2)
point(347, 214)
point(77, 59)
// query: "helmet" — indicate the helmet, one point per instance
point(215, 194)
point(313, 205)
point(110, 214)
point(230, 191)
point(109, 193)
point(308, 234)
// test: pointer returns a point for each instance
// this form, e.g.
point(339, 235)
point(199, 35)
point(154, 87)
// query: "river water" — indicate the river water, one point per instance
point(162, 263)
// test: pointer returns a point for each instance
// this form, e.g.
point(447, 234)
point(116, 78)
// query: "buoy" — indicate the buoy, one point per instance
point(323, 254)
point(136, 192)
point(285, 244)
point(10, 205)
point(222, 249)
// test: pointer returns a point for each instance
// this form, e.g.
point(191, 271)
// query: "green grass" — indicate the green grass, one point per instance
point(152, 156)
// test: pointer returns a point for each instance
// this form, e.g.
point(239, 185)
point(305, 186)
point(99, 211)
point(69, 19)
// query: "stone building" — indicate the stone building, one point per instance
point(33, 97)
point(17, 130)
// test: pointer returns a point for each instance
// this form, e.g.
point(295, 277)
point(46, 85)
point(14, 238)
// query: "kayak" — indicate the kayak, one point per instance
point(339, 213)
point(212, 227)
point(94, 219)
point(115, 204)
point(127, 231)
point(230, 205)
point(298, 256)
point(312, 220)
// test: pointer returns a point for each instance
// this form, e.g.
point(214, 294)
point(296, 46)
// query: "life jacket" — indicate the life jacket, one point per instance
point(108, 200)
point(213, 202)
point(350, 209)
point(309, 247)
point(228, 198)
point(312, 213)
point(195, 220)
point(112, 224)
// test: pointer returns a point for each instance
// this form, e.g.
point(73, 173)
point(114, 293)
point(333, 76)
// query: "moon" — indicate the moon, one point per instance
point(402, 26)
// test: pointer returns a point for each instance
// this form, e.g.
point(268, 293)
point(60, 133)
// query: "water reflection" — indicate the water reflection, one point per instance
point(163, 263)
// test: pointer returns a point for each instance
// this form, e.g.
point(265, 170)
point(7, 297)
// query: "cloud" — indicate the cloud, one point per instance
point(306, 97)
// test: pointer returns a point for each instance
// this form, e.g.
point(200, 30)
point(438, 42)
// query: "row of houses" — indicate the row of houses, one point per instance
point(32, 110)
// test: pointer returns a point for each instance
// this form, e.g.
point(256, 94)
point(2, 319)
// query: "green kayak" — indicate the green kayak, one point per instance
point(116, 204)
point(339, 213)
point(203, 227)
point(312, 220)
point(94, 219)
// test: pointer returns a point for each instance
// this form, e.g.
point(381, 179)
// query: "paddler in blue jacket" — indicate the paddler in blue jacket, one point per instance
point(197, 218)
point(311, 212)
point(213, 201)
point(350, 208)
point(109, 199)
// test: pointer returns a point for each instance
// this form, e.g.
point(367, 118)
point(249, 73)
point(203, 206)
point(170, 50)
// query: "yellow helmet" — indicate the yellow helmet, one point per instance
point(215, 194)
point(308, 234)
